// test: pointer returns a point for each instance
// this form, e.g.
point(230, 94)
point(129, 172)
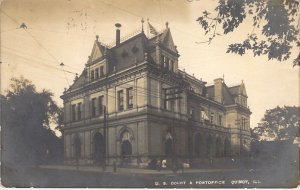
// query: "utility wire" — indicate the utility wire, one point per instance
point(35, 41)
point(41, 62)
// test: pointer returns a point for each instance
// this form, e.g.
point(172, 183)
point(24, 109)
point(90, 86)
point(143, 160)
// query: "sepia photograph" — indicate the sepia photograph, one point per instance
point(150, 93)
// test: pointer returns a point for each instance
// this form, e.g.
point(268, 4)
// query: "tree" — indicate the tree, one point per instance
point(278, 124)
point(276, 20)
point(27, 115)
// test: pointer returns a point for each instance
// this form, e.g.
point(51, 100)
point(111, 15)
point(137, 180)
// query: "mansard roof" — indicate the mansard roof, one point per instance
point(125, 54)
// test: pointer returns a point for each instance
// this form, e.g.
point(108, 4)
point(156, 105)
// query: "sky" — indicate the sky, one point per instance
point(64, 31)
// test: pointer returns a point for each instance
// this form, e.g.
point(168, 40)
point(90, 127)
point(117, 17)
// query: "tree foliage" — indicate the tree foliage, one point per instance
point(278, 124)
point(276, 20)
point(27, 116)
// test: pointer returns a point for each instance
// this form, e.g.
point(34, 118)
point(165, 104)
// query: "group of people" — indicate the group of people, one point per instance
point(161, 164)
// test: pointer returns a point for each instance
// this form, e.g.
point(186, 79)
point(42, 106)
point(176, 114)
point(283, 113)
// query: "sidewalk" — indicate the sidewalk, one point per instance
point(137, 171)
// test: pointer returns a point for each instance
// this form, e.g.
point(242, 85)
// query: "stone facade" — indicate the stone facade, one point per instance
point(118, 109)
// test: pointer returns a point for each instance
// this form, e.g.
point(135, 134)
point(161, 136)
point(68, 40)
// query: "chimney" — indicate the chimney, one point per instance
point(118, 33)
point(218, 90)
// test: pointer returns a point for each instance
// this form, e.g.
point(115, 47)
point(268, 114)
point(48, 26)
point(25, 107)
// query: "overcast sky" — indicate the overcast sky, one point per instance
point(64, 31)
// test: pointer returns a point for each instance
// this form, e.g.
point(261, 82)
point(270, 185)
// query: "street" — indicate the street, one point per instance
point(129, 177)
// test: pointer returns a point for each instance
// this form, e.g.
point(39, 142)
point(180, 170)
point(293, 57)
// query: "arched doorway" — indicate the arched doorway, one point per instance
point(99, 147)
point(77, 148)
point(218, 147)
point(126, 147)
point(169, 144)
point(227, 147)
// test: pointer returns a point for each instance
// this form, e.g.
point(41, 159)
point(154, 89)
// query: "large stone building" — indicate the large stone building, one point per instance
point(131, 103)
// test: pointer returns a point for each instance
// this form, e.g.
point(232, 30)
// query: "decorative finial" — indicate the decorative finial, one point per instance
point(97, 37)
point(142, 21)
point(167, 24)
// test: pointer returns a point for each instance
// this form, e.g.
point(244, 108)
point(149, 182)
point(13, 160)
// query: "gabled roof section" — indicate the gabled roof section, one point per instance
point(97, 51)
point(228, 98)
point(167, 40)
point(238, 90)
point(80, 81)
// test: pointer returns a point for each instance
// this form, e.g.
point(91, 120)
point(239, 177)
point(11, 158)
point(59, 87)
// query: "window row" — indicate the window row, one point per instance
point(97, 109)
point(204, 117)
point(129, 99)
point(167, 63)
point(97, 73)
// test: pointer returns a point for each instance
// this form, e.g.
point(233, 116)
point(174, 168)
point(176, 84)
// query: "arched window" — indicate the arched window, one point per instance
point(99, 147)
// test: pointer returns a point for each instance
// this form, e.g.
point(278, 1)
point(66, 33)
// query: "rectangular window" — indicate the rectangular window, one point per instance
point(172, 66)
point(167, 63)
point(100, 102)
point(243, 123)
point(192, 114)
point(212, 118)
point(92, 75)
point(220, 120)
point(93, 107)
point(79, 111)
point(97, 73)
point(120, 100)
point(101, 71)
point(73, 112)
point(164, 99)
point(129, 98)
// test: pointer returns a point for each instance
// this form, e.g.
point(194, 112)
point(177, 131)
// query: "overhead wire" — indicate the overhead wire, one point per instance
point(45, 49)
point(34, 58)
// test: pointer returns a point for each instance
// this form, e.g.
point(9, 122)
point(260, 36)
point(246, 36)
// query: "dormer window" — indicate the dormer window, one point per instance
point(124, 54)
point(101, 71)
point(135, 49)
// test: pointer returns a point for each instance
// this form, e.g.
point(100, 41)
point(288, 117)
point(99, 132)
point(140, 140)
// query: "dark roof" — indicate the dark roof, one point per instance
point(228, 96)
point(82, 79)
point(234, 90)
point(127, 53)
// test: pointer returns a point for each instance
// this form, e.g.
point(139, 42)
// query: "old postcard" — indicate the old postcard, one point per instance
point(151, 93)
